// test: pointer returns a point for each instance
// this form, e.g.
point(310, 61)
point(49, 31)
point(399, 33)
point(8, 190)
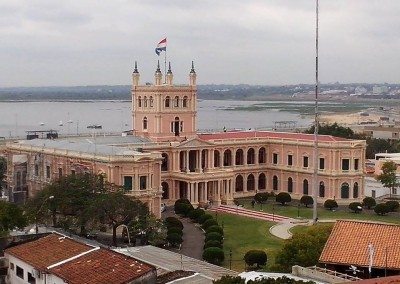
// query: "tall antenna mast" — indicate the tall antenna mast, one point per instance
point(316, 166)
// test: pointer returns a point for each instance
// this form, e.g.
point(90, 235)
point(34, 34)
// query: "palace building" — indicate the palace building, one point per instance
point(166, 158)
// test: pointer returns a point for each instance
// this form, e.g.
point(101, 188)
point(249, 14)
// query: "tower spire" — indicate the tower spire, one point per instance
point(192, 70)
point(158, 66)
point(169, 68)
point(135, 70)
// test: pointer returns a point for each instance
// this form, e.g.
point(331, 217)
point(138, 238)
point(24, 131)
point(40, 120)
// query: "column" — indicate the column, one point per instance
point(187, 161)
point(256, 183)
point(256, 156)
point(218, 193)
point(205, 191)
point(245, 183)
point(196, 193)
point(200, 161)
point(210, 156)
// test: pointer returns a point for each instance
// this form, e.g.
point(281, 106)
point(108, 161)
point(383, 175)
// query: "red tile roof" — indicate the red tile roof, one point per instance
point(268, 135)
point(349, 240)
point(47, 250)
point(101, 267)
point(383, 280)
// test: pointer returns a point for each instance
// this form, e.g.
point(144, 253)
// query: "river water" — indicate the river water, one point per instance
point(115, 116)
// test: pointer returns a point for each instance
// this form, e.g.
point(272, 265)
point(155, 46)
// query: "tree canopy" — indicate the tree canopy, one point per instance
point(11, 216)
point(388, 175)
point(304, 248)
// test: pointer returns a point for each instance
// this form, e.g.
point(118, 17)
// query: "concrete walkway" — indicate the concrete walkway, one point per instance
point(282, 230)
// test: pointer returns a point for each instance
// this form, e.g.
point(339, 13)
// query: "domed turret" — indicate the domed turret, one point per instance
point(135, 75)
point(169, 76)
point(158, 75)
point(192, 76)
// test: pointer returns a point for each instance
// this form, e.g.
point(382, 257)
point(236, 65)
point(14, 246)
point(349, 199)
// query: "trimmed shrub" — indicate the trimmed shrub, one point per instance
point(255, 257)
point(261, 197)
point(204, 218)
point(215, 228)
point(183, 208)
point(182, 201)
point(174, 239)
point(381, 209)
point(306, 200)
point(213, 243)
point(196, 213)
point(214, 255)
point(173, 222)
point(214, 236)
point(174, 230)
point(283, 198)
point(330, 204)
point(392, 205)
point(209, 223)
point(356, 207)
point(369, 202)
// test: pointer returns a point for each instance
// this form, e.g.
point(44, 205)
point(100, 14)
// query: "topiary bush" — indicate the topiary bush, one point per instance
point(208, 223)
point(215, 228)
point(182, 201)
point(356, 207)
point(261, 197)
point(174, 230)
point(173, 222)
point(283, 198)
point(183, 209)
point(214, 236)
point(306, 200)
point(255, 257)
point(204, 218)
point(214, 255)
point(381, 209)
point(196, 213)
point(330, 204)
point(212, 243)
point(174, 239)
point(392, 205)
point(369, 202)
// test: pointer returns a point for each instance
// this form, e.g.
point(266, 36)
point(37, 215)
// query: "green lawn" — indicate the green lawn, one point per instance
point(242, 234)
point(342, 213)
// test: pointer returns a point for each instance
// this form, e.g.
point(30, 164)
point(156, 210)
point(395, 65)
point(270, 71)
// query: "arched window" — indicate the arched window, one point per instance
point(355, 190)
point(145, 101)
point(275, 183)
point(321, 189)
point(262, 181)
point(344, 190)
point(145, 123)
point(176, 101)
point(239, 183)
point(164, 163)
point(167, 101)
point(250, 182)
point(185, 101)
point(305, 187)
point(151, 101)
point(165, 190)
point(139, 101)
point(227, 158)
point(262, 156)
point(290, 185)
point(176, 126)
point(239, 157)
point(250, 156)
point(217, 159)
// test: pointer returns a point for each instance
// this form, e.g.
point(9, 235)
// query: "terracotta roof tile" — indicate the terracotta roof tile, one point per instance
point(349, 240)
point(47, 250)
point(101, 267)
point(383, 280)
point(268, 134)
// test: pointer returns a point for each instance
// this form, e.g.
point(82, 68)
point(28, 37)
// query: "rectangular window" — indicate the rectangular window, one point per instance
point(18, 179)
point(31, 279)
point(127, 183)
point(321, 163)
point(305, 162)
point(290, 160)
point(24, 178)
point(20, 272)
point(36, 170)
point(60, 172)
point(356, 162)
point(345, 164)
point(275, 158)
point(47, 171)
point(72, 172)
point(143, 182)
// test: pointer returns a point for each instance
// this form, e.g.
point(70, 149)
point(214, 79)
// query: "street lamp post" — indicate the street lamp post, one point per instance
point(298, 210)
point(40, 209)
point(273, 212)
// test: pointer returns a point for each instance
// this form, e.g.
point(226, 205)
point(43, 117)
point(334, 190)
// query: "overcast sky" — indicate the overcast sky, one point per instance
point(88, 42)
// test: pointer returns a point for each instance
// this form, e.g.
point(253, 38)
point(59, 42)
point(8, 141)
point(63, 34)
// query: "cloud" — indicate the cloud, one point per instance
point(77, 42)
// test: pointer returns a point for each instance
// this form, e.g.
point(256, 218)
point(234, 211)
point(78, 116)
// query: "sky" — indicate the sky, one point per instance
point(266, 42)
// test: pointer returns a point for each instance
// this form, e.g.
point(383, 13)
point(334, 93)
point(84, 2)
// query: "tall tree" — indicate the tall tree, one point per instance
point(3, 170)
point(11, 216)
point(116, 209)
point(388, 176)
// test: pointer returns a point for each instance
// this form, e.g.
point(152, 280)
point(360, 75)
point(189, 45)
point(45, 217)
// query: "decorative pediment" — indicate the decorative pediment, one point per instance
point(194, 143)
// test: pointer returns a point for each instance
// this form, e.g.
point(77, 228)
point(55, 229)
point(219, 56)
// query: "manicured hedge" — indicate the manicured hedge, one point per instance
point(255, 257)
point(209, 223)
point(173, 222)
point(392, 205)
point(215, 228)
point(283, 198)
point(214, 236)
point(381, 209)
point(204, 218)
point(306, 200)
point(213, 243)
point(214, 255)
point(369, 202)
point(174, 230)
point(174, 239)
point(330, 204)
point(355, 207)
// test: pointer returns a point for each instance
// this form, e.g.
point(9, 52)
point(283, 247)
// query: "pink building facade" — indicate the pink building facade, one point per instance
point(166, 158)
